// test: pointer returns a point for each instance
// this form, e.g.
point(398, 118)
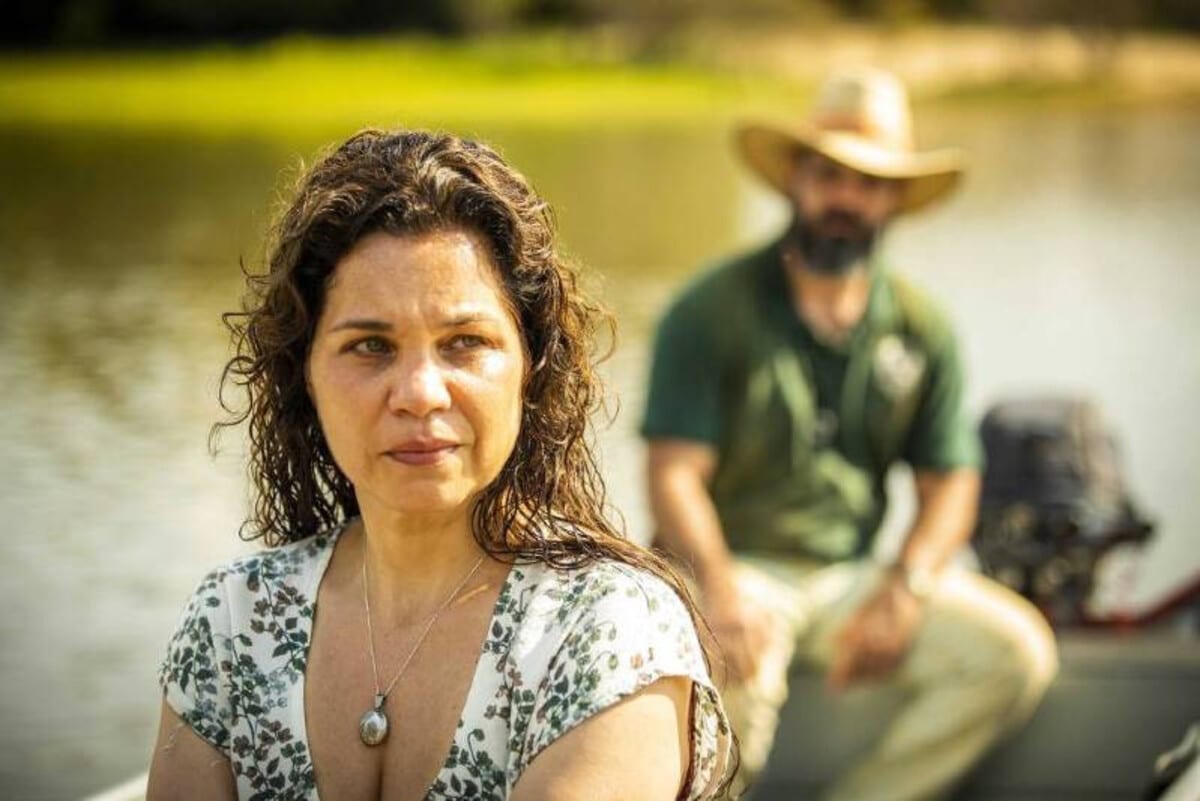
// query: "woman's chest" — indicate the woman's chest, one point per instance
point(436, 682)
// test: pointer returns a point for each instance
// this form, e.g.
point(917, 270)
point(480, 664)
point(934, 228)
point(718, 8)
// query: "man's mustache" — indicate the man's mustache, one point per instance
point(847, 224)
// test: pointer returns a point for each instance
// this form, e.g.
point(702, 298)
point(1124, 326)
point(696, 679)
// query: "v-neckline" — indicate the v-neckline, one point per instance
point(299, 688)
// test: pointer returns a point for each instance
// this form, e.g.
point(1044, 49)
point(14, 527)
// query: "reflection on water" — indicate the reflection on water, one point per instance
point(1064, 264)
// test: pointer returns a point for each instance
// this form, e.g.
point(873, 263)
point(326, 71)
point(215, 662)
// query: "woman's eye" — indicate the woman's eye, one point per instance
point(371, 346)
point(465, 342)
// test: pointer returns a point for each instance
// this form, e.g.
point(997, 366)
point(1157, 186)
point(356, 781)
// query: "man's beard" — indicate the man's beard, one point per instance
point(833, 243)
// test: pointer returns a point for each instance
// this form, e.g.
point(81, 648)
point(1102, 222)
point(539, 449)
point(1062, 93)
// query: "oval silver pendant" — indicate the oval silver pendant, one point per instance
point(373, 727)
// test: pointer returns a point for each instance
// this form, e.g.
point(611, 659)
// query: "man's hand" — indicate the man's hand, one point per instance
point(875, 640)
point(742, 628)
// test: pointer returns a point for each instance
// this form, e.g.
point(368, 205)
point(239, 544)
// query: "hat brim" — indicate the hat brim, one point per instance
point(927, 177)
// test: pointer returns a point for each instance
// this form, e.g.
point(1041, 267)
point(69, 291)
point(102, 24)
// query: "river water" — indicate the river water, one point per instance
point(1066, 262)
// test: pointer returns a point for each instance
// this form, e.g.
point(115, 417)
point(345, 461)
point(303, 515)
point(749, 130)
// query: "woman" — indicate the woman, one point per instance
point(445, 612)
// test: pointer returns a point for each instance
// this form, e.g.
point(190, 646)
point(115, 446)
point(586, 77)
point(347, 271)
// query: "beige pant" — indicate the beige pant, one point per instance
point(979, 665)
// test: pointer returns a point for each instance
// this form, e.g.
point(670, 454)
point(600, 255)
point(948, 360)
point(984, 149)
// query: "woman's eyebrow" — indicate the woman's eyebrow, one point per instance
point(451, 321)
point(468, 318)
point(362, 325)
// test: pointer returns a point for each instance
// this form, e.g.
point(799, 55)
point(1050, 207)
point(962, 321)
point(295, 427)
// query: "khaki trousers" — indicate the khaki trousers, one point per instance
point(978, 667)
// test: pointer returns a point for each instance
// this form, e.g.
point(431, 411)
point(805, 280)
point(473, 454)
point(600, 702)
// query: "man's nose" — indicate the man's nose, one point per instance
point(847, 192)
point(418, 387)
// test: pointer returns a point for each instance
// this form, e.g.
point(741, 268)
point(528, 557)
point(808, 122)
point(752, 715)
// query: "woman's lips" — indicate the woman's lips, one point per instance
point(419, 455)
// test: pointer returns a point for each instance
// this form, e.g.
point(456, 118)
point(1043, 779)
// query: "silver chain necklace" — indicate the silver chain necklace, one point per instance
point(373, 726)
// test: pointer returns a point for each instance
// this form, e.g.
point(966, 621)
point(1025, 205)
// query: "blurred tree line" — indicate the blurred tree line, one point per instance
point(51, 23)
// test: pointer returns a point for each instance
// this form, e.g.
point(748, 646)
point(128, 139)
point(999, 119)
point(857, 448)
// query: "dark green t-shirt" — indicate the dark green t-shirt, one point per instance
point(805, 433)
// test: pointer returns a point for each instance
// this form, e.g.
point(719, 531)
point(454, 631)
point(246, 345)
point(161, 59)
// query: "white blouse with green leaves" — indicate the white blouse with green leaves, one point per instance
point(562, 646)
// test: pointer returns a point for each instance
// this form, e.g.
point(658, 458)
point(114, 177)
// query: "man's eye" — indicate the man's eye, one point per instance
point(827, 173)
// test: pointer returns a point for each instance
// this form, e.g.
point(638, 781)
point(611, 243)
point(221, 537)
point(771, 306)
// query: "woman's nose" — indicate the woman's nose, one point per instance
point(418, 387)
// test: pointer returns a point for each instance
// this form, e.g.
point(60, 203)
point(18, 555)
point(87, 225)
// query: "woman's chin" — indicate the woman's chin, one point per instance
point(435, 499)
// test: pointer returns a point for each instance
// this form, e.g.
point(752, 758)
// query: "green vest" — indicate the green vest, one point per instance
point(784, 481)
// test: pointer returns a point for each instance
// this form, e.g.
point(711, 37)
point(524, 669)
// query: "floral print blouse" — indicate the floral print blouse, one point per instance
point(562, 646)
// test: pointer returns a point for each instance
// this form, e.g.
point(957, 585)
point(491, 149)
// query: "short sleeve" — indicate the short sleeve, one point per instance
point(198, 653)
point(942, 436)
point(683, 396)
point(628, 631)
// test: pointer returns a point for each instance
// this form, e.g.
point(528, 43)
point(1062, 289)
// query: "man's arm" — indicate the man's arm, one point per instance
point(947, 504)
point(688, 527)
point(943, 450)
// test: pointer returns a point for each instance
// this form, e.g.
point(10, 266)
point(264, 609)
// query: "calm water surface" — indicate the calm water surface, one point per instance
point(1067, 262)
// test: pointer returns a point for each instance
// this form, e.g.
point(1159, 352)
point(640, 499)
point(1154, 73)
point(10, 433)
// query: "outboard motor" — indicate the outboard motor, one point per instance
point(1054, 503)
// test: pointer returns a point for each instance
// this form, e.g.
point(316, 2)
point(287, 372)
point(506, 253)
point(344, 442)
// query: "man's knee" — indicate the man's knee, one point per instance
point(1025, 658)
point(1003, 636)
point(1034, 659)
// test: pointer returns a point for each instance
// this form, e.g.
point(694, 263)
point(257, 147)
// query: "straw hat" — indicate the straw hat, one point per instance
point(862, 120)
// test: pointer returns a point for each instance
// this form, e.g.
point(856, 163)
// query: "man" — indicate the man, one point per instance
point(785, 383)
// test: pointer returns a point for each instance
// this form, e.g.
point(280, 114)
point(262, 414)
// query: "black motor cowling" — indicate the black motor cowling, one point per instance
point(1054, 502)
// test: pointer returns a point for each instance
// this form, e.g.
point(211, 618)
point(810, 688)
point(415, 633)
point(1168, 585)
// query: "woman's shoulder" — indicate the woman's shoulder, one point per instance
point(598, 586)
point(605, 602)
point(241, 642)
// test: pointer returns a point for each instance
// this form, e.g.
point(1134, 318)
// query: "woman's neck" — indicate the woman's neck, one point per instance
point(414, 561)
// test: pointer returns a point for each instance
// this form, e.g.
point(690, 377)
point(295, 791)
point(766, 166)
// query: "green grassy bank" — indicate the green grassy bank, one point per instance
point(308, 86)
point(311, 86)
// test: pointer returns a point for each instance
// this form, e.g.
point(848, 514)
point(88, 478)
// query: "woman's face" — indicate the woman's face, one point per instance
point(416, 371)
